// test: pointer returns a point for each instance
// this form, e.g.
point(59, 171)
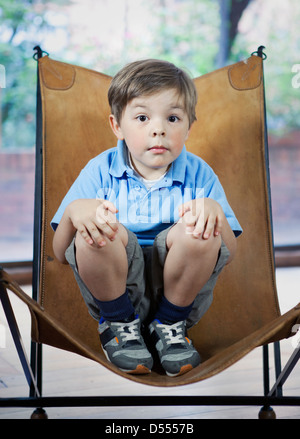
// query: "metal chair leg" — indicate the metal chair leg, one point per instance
point(13, 326)
point(266, 412)
point(285, 372)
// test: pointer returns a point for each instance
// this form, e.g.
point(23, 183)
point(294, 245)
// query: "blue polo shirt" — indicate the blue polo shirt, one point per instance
point(146, 212)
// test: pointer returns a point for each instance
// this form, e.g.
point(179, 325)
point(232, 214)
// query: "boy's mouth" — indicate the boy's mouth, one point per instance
point(158, 149)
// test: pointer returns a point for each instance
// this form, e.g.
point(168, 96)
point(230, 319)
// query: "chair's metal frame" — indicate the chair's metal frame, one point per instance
point(33, 368)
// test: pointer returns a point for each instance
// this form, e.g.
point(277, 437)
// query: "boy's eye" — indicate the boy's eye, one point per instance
point(173, 119)
point(142, 118)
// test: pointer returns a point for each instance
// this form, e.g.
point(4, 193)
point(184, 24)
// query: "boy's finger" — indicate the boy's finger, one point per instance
point(190, 219)
point(106, 217)
point(218, 226)
point(185, 207)
point(199, 225)
point(109, 221)
point(109, 230)
point(210, 227)
point(182, 209)
point(85, 234)
point(95, 235)
point(109, 206)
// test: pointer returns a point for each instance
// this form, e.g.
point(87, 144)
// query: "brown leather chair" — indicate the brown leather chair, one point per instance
point(230, 134)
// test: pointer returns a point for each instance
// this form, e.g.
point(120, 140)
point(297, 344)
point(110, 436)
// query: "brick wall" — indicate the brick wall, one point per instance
point(284, 155)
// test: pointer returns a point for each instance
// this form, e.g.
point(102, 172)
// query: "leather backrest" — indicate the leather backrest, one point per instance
point(229, 135)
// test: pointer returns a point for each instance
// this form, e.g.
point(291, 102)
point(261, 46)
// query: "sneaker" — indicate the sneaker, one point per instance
point(124, 346)
point(176, 351)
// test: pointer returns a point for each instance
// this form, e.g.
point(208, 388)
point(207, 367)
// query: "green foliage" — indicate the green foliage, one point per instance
point(186, 32)
point(21, 22)
point(277, 26)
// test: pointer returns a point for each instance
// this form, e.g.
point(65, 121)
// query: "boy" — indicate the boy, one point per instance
point(146, 226)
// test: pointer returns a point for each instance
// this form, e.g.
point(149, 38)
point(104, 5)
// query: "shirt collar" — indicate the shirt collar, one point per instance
point(120, 165)
point(178, 167)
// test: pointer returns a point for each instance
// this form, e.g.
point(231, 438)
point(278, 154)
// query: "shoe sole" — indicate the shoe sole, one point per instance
point(139, 370)
point(184, 369)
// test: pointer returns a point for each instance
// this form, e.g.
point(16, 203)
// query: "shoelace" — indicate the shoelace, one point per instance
point(127, 331)
point(174, 333)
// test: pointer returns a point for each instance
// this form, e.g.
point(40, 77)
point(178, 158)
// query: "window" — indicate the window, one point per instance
point(185, 32)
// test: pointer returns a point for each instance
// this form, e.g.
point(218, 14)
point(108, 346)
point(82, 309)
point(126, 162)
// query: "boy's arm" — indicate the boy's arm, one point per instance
point(93, 219)
point(204, 217)
point(62, 237)
point(229, 239)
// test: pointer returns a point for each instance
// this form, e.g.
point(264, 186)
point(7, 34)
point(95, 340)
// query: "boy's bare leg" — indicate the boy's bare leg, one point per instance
point(103, 269)
point(189, 264)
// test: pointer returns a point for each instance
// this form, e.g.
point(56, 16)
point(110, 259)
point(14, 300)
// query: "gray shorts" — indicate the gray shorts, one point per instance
point(145, 278)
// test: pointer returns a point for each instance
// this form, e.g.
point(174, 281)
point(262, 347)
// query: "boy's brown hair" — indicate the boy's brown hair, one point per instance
point(147, 77)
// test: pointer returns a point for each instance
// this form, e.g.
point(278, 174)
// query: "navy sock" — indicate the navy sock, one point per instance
point(169, 313)
point(117, 310)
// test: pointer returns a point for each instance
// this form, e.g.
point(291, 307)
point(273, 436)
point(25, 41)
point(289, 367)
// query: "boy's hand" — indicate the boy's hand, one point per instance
point(94, 220)
point(106, 218)
point(202, 216)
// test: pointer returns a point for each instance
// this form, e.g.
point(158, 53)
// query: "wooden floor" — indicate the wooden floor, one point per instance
point(66, 374)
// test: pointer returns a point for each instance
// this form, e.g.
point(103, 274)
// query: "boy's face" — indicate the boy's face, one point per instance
point(154, 128)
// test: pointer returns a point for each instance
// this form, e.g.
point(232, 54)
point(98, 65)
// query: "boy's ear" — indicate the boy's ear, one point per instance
point(115, 127)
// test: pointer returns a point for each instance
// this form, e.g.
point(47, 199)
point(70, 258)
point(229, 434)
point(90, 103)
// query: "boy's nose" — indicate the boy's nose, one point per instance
point(158, 131)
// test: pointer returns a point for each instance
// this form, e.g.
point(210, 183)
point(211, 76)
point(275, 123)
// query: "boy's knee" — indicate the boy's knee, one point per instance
point(81, 245)
point(121, 239)
point(191, 245)
point(123, 234)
